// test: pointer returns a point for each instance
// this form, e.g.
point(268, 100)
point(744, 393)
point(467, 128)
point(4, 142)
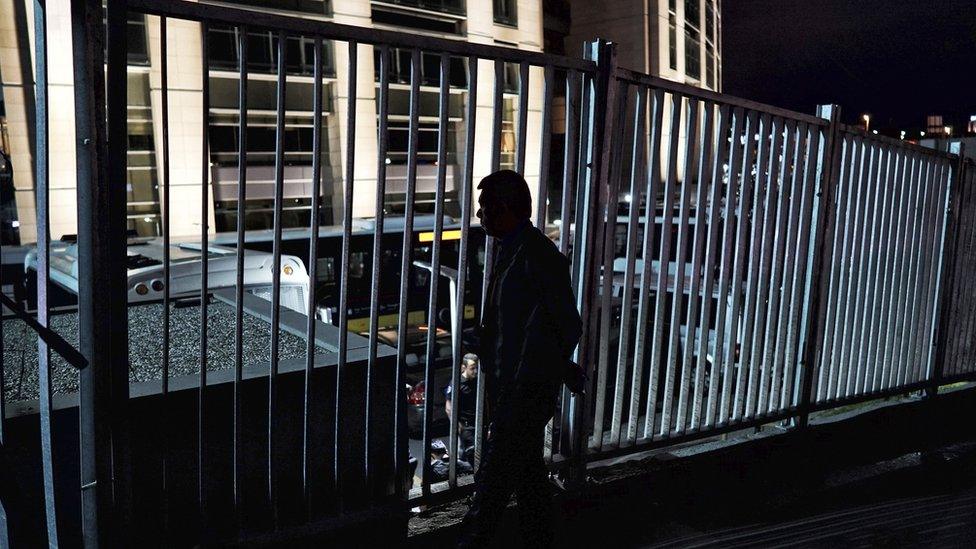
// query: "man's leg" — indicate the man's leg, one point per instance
point(494, 484)
point(533, 491)
point(534, 496)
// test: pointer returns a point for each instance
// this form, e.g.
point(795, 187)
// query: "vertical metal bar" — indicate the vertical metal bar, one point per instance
point(626, 304)
point(889, 369)
point(911, 238)
point(923, 261)
point(116, 93)
point(570, 156)
point(769, 278)
point(606, 281)
point(691, 128)
point(885, 279)
point(239, 282)
point(874, 246)
point(594, 214)
point(435, 262)
point(667, 220)
point(204, 275)
point(960, 338)
point(714, 219)
point(917, 257)
point(42, 183)
point(949, 260)
point(816, 283)
point(785, 205)
point(815, 153)
point(166, 211)
point(789, 266)
point(855, 195)
point(471, 116)
point(866, 205)
point(279, 175)
point(939, 222)
point(733, 271)
point(845, 165)
point(876, 327)
point(720, 371)
point(542, 206)
point(855, 240)
point(764, 235)
point(920, 308)
point(313, 255)
point(523, 116)
point(655, 101)
point(379, 213)
point(347, 195)
point(496, 140)
point(101, 266)
point(703, 184)
point(405, 252)
point(899, 214)
point(964, 325)
point(908, 247)
point(768, 142)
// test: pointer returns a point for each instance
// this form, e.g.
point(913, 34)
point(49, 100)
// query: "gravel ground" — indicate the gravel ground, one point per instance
point(145, 346)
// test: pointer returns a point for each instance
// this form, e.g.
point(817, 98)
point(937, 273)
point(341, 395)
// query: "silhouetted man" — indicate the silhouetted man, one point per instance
point(529, 330)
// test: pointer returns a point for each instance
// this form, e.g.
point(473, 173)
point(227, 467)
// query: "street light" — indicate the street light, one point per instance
point(867, 121)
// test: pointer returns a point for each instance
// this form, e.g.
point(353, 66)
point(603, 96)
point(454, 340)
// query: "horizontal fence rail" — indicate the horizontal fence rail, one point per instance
point(736, 265)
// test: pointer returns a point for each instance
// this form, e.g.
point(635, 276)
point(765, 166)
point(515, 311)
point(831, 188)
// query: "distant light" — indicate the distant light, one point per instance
point(557, 222)
point(866, 117)
point(147, 219)
point(388, 161)
point(875, 132)
point(903, 134)
point(15, 223)
point(628, 198)
point(948, 130)
point(923, 133)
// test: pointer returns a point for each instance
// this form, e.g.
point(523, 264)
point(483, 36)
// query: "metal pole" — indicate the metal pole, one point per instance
point(596, 204)
point(102, 269)
point(817, 285)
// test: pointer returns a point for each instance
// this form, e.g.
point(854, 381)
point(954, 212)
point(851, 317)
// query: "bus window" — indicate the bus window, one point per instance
point(357, 264)
point(326, 269)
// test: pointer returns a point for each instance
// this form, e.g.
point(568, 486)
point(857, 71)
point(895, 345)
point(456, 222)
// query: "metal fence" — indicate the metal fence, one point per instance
point(736, 265)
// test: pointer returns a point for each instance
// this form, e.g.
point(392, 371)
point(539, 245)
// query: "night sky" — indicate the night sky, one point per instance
point(899, 60)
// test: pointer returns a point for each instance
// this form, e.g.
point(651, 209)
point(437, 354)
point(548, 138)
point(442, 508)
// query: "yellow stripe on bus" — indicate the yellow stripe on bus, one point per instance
point(446, 235)
point(414, 318)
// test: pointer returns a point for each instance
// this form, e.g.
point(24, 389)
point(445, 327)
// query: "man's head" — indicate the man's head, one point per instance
point(469, 366)
point(504, 203)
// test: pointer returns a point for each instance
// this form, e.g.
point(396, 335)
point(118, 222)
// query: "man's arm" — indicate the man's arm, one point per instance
point(557, 297)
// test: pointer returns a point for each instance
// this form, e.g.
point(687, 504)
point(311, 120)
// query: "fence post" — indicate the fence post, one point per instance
point(102, 275)
point(953, 218)
point(816, 307)
point(599, 125)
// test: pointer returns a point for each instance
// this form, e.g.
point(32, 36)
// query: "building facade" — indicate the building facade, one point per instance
point(680, 40)
point(512, 23)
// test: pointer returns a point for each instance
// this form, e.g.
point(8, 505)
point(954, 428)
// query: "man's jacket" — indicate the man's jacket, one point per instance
point(530, 325)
